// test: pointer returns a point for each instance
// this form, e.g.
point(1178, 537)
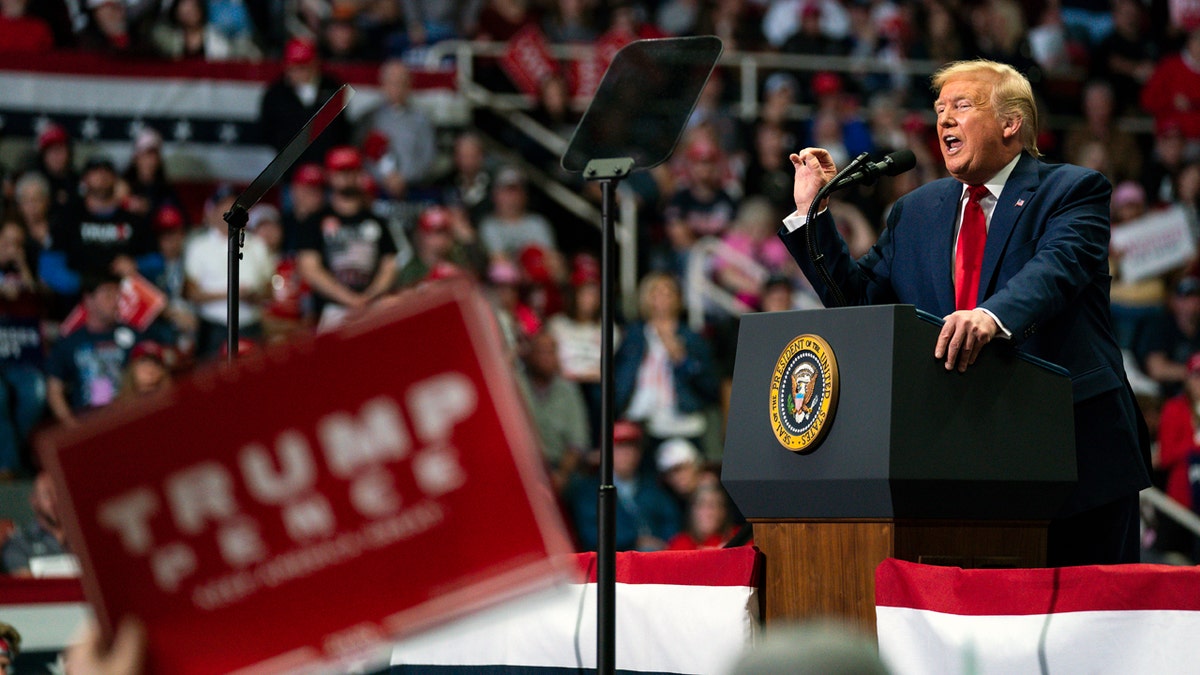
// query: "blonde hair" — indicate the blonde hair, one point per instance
point(1012, 96)
point(655, 279)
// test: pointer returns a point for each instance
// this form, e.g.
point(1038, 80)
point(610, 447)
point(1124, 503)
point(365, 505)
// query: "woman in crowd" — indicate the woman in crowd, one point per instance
point(663, 372)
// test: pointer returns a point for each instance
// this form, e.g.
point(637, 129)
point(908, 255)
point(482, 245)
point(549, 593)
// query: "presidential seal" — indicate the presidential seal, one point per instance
point(804, 393)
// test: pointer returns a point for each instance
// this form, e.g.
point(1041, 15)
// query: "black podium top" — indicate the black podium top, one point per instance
point(908, 439)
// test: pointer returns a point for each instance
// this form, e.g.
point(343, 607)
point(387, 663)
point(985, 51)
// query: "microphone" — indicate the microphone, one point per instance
point(896, 163)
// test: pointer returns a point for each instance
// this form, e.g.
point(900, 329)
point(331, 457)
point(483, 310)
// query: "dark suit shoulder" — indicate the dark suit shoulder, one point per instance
point(1053, 175)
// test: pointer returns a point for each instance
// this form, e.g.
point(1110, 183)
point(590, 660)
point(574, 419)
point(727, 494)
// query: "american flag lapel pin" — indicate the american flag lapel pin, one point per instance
point(1021, 202)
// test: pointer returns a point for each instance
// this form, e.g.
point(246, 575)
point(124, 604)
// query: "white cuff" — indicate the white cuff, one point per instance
point(797, 220)
point(1004, 334)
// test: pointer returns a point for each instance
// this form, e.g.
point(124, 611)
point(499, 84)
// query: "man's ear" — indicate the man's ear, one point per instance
point(1012, 126)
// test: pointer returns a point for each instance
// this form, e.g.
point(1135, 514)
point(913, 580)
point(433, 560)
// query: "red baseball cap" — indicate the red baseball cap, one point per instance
point(168, 217)
point(703, 150)
point(1193, 364)
point(533, 262)
point(147, 349)
point(53, 134)
point(826, 83)
point(625, 431)
point(343, 158)
point(309, 174)
point(434, 219)
point(298, 52)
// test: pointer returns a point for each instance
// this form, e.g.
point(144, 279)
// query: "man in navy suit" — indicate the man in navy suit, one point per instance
point(1014, 249)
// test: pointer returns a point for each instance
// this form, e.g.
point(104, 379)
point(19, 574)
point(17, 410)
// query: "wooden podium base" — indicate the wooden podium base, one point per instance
point(823, 568)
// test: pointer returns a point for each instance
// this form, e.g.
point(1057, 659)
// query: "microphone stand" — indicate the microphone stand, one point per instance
point(810, 236)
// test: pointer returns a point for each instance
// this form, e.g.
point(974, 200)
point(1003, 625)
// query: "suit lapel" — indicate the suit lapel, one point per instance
point(1018, 191)
point(940, 253)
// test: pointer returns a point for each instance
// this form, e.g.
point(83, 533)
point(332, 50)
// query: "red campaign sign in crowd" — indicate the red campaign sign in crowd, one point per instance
point(313, 502)
point(528, 62)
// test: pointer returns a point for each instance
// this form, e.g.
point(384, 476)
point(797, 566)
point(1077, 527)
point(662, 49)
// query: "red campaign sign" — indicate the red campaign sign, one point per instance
point(317, 499)
point(138, 306)
point(527, 60)
point(586, 74)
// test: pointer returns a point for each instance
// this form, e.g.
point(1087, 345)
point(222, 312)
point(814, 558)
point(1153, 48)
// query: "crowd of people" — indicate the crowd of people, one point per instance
point(377, 207)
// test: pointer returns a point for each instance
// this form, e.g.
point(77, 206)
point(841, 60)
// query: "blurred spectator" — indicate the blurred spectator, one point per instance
point(31, 196)
point(751, 239)
point(1100, 125)
point(345, 253)
point(284, 313)
point(680, 467)
point(554, 111)
point(98, 233)
point(1001, 35)
point(944, 35)
point(443, 235)
point(206, 263)
point(578, 333)
point(517, 321)
point(837, 120)
point(737, 22)
point(781, 92)
point(511, 226)
point(557, 407)
point(108, 29)
point(307, 197)
point(43, 537)
point(701, 207)
point(232, 18)
point(147, 371)
point(1134, 304)
point(187, 33)
point(769, 174)
point(713, 117)
point(1172, 94)
point(170, 228)
point(1163, 350)
point(1187, 195)
point(57, 15)
point(708, 523)
point(22, 388)
point(10, 648)
point(146, 176)
point(1178, 449)
point(815, 27)
point(469, 184)
point(678, 17)
point(646, 516)
point(1056, 47)
point(499, 20)
point(815, 647)
point(293, 98)
point(342, 40)
point(1127, 57)
point(56, 161)
point(427, 22)
point(571, 22)
point(21, 31)
point(399, 137)
point(628, 21)
point(49, 265)
point(84, 367)
point(1168, 157)
point(663, 372)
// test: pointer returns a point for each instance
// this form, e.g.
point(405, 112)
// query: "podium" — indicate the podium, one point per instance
point(911, 461)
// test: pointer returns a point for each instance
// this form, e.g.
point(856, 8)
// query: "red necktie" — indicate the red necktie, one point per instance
point(968, 259)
